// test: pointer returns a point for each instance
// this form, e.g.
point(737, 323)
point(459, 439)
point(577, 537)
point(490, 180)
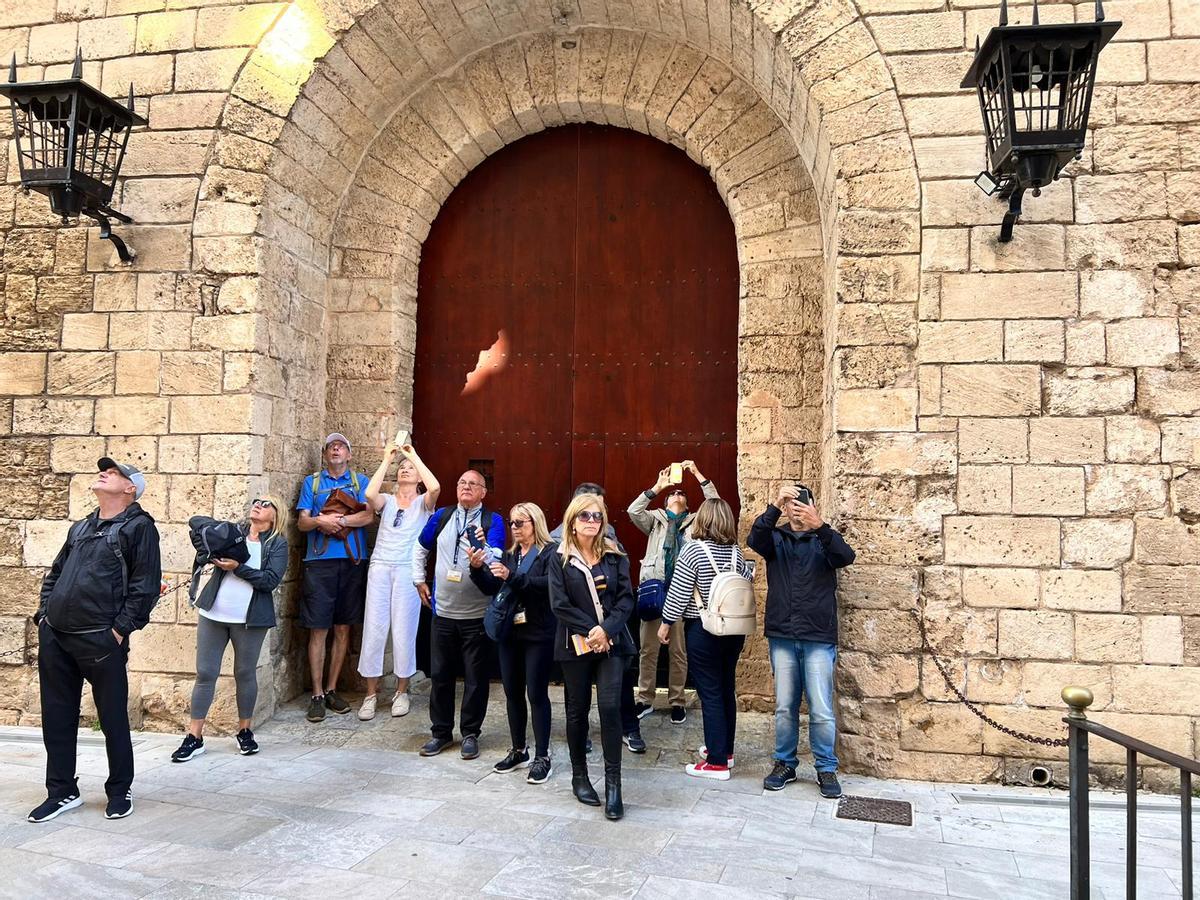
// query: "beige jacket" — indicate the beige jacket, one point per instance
point(654, 523)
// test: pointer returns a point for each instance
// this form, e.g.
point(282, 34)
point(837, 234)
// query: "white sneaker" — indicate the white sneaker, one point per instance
point(400, 704)
point(366, 712)
point(706, 770)
point(704, 756)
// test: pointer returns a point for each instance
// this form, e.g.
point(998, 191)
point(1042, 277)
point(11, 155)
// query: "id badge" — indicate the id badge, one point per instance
point(454, 576)
point(519, 618)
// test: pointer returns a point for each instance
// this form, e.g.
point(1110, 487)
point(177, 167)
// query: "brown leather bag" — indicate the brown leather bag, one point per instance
point(339, 503)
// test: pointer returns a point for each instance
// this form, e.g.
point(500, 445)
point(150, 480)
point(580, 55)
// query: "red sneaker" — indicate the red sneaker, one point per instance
point(707, 770)
point(704, 756)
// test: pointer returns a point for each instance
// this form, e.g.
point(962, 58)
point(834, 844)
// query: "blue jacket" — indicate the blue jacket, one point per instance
point(801, 578)
point(427, 539)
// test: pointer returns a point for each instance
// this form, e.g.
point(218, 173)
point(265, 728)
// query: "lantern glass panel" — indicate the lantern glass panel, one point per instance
point(43, 126)
point(1049, 85)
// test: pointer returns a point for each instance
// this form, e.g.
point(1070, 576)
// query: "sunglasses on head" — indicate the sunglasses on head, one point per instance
point(589, 515)
point(518, 523)
point(261, 503)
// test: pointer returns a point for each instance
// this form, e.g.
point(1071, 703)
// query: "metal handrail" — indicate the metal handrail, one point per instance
point(1079, 726)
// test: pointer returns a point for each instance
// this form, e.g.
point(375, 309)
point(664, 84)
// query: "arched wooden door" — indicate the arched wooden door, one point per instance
point(596, 269)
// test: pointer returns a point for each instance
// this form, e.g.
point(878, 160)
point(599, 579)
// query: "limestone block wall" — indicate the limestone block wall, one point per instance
point(1007, 434)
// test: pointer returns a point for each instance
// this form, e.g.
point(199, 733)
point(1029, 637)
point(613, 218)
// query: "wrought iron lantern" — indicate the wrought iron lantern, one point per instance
point(1035, 92)
point(71, 142)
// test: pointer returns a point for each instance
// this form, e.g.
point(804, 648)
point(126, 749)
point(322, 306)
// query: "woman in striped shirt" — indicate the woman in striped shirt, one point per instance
point(712, 660)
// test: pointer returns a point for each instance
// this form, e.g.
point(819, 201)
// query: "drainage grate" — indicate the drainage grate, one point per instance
point(871, 809)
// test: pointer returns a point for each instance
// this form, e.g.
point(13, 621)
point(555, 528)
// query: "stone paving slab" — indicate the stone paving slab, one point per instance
point(348, 809)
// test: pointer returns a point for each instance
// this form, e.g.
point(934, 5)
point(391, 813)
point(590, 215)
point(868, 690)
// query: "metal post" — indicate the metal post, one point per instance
point(1130, 824)
point(1079, 699)
point(1185, 805)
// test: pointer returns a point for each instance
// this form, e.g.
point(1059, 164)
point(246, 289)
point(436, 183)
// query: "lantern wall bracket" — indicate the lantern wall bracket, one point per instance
point(1012, 216)
point(100, 216)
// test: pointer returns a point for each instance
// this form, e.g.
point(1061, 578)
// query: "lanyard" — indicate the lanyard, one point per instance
point(462, 530)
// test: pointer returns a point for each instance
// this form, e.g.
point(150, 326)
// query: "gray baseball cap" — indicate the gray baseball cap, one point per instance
point(133, 473)
point(338, 436)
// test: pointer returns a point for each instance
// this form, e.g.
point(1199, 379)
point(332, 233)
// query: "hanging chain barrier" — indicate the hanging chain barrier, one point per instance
point(1011, 732)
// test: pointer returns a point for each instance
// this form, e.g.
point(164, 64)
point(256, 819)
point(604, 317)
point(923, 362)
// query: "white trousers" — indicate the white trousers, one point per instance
point(392, 602)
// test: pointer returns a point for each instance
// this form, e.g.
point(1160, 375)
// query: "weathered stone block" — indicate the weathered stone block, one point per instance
point(1107, 638)
point(896, 454)
point(1114, 294)
point(1036, 634)
point(1132, 439)
point(22, 373)
point(1088, 391)
point(960, 341)
point(1004, 588)
point(1066, 440)
point(991, 390)
point(1097, 543)
point(1168, 393)
point(1162, 640)
point(1048, 490)
point(885, 409)
point(985, 440)
point(1126, 489)
point(1135, 245)
point(941, 727)
point(131, 415)
point(1082, 589)
point(1161, 589)
point(984, 489)
point(1142, 342)
point(1153, 689)
point(1036, 248)
point(1001, 540)
point(58, 417)
point(1043, 682)
point(1034, 341)
point(81, 373)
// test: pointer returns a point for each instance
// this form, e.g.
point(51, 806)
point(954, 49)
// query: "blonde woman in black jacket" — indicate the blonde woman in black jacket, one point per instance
point(237, 606)
point(592, 598)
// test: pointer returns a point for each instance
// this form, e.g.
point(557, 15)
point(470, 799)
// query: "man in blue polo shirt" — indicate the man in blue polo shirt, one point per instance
point(335, 570)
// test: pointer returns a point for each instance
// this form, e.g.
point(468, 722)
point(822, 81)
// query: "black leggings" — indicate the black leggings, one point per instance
point(604, 671)
point(525, 669)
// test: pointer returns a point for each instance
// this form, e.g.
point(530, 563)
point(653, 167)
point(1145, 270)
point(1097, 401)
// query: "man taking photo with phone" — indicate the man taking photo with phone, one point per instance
point(803, 555)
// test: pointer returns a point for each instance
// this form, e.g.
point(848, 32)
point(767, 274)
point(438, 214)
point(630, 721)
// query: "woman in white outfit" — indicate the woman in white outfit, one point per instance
point(392, 599)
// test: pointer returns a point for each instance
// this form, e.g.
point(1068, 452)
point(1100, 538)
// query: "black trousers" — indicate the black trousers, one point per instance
point(64, 661)
point(525, 670)
point(454, 643)
point(712, 663)
point(605, 672)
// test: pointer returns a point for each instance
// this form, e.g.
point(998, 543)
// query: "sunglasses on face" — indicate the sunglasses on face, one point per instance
point(259, 504)
point(591, 516)
point(518, 523)
point(676, 494)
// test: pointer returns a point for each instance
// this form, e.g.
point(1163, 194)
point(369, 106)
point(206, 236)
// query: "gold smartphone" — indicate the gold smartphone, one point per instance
point(676, 473)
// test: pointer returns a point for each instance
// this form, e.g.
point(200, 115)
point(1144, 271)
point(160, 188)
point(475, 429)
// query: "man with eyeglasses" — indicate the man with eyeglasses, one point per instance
point(335, 571)
point(457, 636)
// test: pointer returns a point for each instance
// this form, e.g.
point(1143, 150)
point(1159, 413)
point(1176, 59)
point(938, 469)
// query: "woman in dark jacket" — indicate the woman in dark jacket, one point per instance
point(592, 598)
point(237, 606)
point(527, 653)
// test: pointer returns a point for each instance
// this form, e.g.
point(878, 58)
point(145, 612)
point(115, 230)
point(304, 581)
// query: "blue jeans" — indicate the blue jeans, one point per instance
point(804, 669)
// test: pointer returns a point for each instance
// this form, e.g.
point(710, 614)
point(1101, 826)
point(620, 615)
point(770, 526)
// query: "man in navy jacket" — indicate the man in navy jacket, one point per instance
point(803, 557)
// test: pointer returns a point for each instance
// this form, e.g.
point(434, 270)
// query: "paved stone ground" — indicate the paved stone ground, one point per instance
point(348, 809)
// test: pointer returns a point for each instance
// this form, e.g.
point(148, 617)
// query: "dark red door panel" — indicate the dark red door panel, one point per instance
point(608, 260)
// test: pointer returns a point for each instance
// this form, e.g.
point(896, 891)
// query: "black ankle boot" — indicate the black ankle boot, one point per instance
point(581, 786)
point(613, 807)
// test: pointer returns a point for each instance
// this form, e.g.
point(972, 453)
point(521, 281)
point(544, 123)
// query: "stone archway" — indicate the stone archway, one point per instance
point(817, 170)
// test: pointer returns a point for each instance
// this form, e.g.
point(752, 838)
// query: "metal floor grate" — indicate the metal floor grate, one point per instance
point(872, 809)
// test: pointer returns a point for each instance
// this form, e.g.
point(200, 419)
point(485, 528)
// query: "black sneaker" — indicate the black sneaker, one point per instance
point(540, 770)
point(587, 747)
point(780, 776)
point(54, 806)
point(470, 747)
point(828, 782)
point(643, 709)
point(634, 741)
point(316, 709)
point(434, 746)
point(119, 807)
point(336, 703)
point(191, 746)
point(247, 745)
point(678, 715)
point(516, 759)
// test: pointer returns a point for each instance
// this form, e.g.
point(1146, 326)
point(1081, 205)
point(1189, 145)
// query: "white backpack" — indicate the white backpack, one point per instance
point(731, 606)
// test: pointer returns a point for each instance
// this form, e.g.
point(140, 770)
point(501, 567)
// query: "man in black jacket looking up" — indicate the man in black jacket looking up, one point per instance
point(100, 589)
point(803, 557)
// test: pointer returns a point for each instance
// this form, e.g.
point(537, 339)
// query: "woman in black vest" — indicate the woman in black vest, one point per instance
point(527, 651)
point(592, 598)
